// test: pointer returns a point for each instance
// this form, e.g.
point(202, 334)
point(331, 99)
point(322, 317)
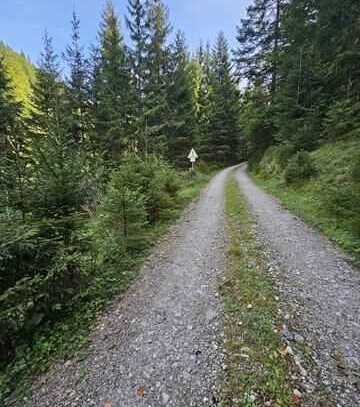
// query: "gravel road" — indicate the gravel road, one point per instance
point(320, 295)
point(160, 345)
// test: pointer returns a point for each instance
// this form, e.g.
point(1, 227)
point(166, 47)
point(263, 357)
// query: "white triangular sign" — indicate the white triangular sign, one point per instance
point(193, 156)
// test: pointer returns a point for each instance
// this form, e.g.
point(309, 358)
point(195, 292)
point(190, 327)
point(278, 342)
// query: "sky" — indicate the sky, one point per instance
point(23, 22)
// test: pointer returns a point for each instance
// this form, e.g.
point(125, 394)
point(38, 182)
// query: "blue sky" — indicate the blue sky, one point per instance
point(22, 22)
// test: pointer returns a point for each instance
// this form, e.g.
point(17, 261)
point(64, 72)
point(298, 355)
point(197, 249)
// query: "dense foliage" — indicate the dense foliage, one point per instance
point(301, 59)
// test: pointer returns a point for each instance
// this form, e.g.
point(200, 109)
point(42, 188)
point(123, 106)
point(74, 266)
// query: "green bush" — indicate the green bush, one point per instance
point(299, 168)
point(356, 195)
point(118, 228)
point(156, 180)
point(341, 197)
point(284, 153)
point(141, 192)
point(39, 299)
point(276, 159)
point(342, 120)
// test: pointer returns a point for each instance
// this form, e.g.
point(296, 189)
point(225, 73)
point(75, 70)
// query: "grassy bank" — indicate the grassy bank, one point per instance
point(329, 200)
point(257, 372)
point(69, 337)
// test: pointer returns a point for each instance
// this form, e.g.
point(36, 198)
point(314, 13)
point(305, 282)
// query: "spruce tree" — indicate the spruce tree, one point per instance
point(259, 40)
point(157, 69)
point(136, 23)
point(113, 88)
point(77, 85)
point(56, 165)
point(224, 133)
point(46, 93)
point(203, 97)
point(181, 128)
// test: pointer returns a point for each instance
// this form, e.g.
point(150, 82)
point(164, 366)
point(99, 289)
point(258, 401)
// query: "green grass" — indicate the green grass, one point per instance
point(69, 337)
point(310, 200)
point(257, 372)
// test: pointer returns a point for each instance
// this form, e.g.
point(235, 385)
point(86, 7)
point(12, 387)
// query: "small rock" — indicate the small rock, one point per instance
point(297, 393)
point(165, 398)
point(298, 338)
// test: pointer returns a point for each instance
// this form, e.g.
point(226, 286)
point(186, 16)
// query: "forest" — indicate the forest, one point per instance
point(94, 159)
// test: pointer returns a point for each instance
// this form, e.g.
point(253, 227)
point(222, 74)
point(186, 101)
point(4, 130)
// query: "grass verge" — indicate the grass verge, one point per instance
point(69, 337)
point(257, 371)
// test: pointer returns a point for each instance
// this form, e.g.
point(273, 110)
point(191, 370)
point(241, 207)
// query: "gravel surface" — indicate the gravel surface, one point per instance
point(320, 301)
point(160, 345)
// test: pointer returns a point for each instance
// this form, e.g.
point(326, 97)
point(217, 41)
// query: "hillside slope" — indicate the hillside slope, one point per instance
point(21, 72)
point(330, 198)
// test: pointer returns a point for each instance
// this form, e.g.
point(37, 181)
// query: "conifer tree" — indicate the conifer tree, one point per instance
point(181, 128)
point(77, 85)
point(113, 88)
point(157, 69)
point(57, 166)
point(203, 97)
point(46, 93)
point(259, 39)
point(224, 133)
point(136, 23)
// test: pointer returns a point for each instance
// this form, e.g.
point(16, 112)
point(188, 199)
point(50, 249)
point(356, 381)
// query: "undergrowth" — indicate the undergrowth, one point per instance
point(68, 337)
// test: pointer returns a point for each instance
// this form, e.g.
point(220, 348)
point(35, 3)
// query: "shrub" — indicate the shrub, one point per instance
point(276, 159)
point(268, 165)
point(155, 179)
point(356, 195)
point(118, 227)
point(284, 153)
point(299, 168)
point(41, 298)
point(342, 120)
point(140, 192)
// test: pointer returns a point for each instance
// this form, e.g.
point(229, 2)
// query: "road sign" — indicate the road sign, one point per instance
point(193, 156)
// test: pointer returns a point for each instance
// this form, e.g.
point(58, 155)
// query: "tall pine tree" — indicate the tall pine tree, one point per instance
point(202, 104)
point(77, 85)
point(114, 95)
point(47, 90)
point(224, 134)
point(57, 165)
point(181, 128)
point(136, 23)
point(259, 39)
point(157, 70)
